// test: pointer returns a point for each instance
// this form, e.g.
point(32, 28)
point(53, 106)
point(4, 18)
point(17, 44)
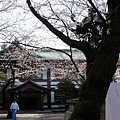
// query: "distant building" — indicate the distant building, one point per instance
point(36, 89)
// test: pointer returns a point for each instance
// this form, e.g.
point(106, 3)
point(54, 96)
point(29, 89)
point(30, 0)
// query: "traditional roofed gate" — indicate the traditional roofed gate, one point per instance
point(30, 96)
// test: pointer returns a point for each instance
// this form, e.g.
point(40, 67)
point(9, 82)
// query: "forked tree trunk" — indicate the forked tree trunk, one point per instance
point(94, 91)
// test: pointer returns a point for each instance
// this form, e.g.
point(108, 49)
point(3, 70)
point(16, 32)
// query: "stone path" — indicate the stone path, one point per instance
point(52, 117)
point(46, 116)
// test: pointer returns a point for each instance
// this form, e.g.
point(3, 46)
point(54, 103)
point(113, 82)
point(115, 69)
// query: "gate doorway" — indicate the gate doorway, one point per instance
point(30, 102)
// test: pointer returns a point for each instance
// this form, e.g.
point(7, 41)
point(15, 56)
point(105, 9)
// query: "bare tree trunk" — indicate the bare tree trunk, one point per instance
point(95, 88)
point(99, 77)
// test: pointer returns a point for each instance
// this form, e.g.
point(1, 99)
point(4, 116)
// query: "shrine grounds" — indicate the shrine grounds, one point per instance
point(36, 115)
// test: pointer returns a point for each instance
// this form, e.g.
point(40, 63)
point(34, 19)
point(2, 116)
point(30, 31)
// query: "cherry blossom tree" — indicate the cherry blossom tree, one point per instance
point(15, 22)
point(98, 40)
point(16, 55)
point(29, 63)
point(20, 39)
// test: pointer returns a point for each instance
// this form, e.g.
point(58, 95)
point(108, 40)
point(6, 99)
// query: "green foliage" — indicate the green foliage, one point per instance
point(3, 79)
point(66, 90)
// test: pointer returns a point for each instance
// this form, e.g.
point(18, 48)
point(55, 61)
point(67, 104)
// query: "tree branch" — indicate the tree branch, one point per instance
point(103, 20)
point(11, 80)
point(84, 46)
point(101, 17)
point(70, 56)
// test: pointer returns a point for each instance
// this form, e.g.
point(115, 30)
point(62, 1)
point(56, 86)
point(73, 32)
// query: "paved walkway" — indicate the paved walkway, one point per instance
point(44, 116)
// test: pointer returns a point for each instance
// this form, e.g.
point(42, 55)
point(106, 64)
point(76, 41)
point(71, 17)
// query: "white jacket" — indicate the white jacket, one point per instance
point(15, 106)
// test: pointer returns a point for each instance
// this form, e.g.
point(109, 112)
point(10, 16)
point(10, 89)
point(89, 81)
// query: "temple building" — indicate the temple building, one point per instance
point(34, 75)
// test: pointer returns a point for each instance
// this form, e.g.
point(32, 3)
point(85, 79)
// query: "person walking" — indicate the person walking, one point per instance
point(14, 108)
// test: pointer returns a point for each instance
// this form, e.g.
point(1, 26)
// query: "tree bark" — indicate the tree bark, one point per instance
point(95, 88)
point(94, 91)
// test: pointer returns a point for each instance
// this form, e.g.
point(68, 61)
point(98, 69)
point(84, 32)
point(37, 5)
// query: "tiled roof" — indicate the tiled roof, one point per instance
point(55, 55)
point(31, 84)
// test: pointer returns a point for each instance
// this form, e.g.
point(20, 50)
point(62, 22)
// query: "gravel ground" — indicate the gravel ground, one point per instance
point(53, 118)
point(46, 116)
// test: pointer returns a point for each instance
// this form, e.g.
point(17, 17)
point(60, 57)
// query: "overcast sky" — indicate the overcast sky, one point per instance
point(30, 29)
point(31, 26)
